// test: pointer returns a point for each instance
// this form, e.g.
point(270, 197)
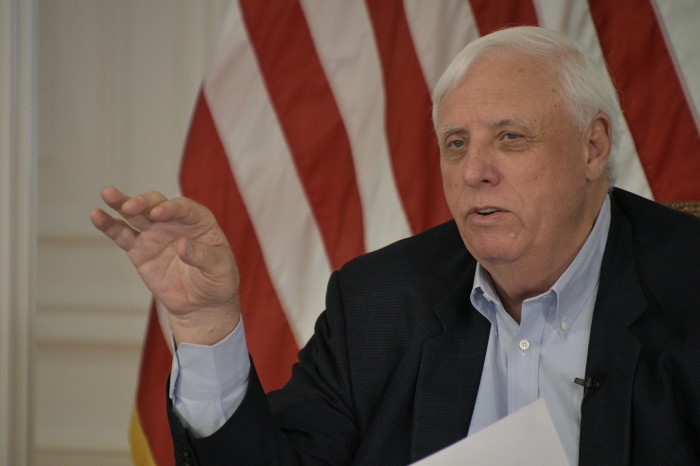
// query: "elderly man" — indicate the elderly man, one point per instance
point(547, 284)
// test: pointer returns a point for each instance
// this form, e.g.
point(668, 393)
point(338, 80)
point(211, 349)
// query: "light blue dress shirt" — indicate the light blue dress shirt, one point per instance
point(541, 357)
point(538, 358)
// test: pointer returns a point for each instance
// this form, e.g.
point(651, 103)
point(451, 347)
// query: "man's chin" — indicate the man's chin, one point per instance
point(493, 252)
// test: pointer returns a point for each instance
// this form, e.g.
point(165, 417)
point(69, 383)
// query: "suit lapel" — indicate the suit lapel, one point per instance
point(613, 352)
point(449, 373)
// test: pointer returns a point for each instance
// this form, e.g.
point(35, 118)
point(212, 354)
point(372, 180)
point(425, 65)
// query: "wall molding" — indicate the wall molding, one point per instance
point(105, 329)
point(17, 226)
point(81, 457)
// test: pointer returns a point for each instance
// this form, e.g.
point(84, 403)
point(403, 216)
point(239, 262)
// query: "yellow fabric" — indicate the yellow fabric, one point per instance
point(140, 449)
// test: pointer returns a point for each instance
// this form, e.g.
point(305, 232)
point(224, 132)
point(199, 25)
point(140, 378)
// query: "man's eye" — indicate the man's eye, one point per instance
point(510, 141)
point(457, 144)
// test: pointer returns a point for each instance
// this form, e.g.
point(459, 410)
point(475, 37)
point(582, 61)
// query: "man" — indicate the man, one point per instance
point(546, 284)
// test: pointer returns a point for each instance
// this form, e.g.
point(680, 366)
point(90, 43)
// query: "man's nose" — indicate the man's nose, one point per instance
point(478, 167)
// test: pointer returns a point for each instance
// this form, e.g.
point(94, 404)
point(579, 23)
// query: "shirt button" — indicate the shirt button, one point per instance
point(524, 344)
point(564, 324)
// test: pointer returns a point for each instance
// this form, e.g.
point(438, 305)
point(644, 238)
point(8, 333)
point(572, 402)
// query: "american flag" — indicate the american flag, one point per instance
point(312, 142)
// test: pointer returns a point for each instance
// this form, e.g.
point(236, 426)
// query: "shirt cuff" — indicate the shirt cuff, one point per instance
point(208, 383)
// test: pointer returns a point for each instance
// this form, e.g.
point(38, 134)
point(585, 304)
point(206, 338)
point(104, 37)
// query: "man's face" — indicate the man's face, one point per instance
point(517, 170)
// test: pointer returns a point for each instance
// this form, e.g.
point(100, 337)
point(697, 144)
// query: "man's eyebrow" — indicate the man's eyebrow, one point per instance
point(500, 123)
point(442, 132)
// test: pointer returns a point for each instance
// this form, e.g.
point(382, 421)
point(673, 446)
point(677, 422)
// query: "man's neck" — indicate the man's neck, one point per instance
point(514, 288)
point(530, 277)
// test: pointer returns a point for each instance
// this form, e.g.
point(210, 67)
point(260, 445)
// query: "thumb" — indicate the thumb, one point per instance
point(213, 260)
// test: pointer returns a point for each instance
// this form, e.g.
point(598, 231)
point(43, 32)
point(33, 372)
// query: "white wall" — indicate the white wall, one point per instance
point(116, 81)
point(17, 228)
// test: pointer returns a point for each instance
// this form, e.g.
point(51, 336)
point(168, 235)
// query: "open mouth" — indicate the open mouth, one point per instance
point(488, 211)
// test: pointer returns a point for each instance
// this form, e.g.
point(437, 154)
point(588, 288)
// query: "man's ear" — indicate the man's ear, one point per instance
point(598, 144)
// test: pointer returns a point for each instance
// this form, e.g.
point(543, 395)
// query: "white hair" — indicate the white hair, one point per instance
point(586, 87)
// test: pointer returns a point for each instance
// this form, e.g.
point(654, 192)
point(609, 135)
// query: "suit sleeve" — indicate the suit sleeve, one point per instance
point(310, 420)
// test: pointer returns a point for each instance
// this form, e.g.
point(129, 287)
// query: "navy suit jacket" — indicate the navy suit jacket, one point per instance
point(393, 369)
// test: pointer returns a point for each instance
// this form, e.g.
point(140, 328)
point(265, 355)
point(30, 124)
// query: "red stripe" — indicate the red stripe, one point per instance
point(314, 130)
point(156, 361)
point(492, 15)
point(414, 151)
point(206, 177)
point(654, 104)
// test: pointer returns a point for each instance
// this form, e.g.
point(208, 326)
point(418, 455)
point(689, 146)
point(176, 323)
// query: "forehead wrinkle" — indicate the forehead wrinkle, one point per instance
point(509, 121)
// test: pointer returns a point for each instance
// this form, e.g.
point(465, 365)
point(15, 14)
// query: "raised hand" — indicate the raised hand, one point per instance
point(182, 256)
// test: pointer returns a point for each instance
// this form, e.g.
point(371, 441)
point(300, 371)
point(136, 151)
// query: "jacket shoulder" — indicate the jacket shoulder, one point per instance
point(656, 227)
point(666, 253)
point(435, 251)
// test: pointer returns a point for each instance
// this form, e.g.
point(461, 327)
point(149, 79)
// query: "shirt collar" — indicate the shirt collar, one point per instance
point(570, 291)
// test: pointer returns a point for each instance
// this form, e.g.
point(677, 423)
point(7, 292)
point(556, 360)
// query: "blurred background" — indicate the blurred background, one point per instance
point(115, 82)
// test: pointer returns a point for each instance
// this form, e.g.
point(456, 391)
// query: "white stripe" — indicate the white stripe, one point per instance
point(679, 22)
point(345, 44)
point(266, 176)
point(573, 18)
point(439, 32)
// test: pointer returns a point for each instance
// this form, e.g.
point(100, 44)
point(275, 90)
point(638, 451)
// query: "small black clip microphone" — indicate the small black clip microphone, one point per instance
point(587, 383)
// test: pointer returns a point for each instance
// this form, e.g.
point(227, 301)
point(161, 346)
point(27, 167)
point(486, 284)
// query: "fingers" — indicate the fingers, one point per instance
point(137, 209)
point(117, 230)
point(162, 221)
point(143, 209)
point(113, 197)
point(184, 211)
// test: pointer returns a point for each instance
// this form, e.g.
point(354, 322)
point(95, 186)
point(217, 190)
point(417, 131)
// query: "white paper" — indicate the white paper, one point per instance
point(526, 437)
